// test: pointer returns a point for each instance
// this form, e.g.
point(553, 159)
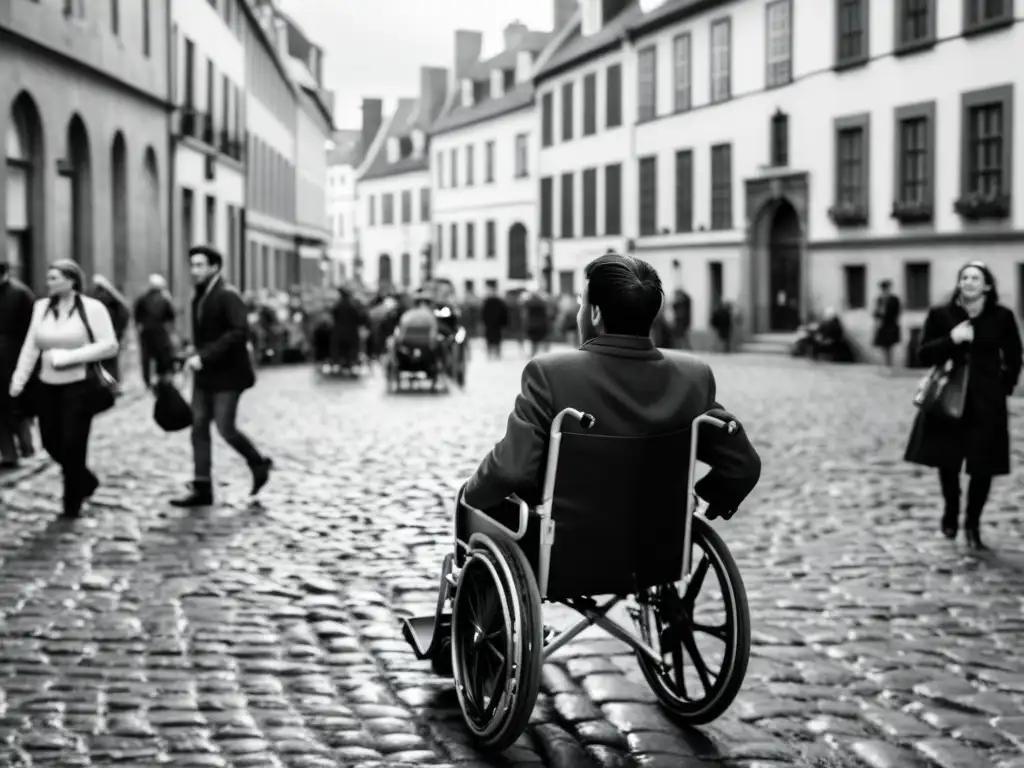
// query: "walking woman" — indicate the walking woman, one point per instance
point(976, 330)
point(887, 321)
point(68, 332)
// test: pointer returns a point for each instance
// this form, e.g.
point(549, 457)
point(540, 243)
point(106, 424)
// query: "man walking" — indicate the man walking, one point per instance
point(154, 319)
point(16, 302)
point(223, 371)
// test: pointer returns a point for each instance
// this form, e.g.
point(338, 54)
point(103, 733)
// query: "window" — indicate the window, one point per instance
point(455, 168)
point(917, 282)
point(684, 190)
point(211, 220)
point(188, 230)
point(613, 199)
point(987, 131)
point(454, 237)
point(568, 208)
point(470, 166)
point(372, 212)
point(387, 215)
point(489, 162)
point(590, 202)
point(425, 204)
point(508, 80)
point(547, 205)
point(470, 240)
point(779, 149)
point(225, 113)
point(716, 283)
point(855, 282)
point(779, 54)
point(647, 94)
point(681, 65)
point(648, 195)
point(914, 25)
point(982, 15)
point(547, 125)
point(721, 61)
point(146, 31)
point(590, 104)
point(211, 98)
point(491, 238)
point(915, 152)
point(115, 17)
point(613, 102)
point(440, 241)
point(440, 170)
point(407, 206)
point(567, 111)
point(721, 187)
point(522, 164)
point(851, 32)
point(852, 165)
point(190, 74)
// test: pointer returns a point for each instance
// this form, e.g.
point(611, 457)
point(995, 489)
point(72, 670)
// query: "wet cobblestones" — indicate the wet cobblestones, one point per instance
point(267, 635)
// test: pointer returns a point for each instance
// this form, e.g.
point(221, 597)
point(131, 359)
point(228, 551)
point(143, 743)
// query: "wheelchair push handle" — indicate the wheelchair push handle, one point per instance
point(731, 426)
point(586, 420)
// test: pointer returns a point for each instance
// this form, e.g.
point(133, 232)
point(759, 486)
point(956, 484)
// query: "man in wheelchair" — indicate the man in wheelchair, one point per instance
point(418, 342)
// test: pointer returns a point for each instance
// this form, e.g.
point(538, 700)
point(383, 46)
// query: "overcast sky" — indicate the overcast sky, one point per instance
point(376, 47)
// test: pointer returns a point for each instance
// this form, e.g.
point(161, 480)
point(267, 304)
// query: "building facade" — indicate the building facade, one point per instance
point(393, 188)
point(483, 164)
point(584, 109)
point(209, 136)
point(84, 109)
point(796, 176)
point(342, 162)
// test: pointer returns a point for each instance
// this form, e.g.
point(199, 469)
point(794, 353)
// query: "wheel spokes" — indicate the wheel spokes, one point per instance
point(696, 582)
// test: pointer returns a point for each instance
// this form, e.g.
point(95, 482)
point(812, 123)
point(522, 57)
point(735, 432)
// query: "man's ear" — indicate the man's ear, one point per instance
point(595, 315)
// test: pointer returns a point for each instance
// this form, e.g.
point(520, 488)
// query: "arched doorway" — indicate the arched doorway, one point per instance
point(151, 211)
point(74, 198)
point(784, 251)
point(384, 270)
point(518, 260)
point(119, 209)
point(24, 189)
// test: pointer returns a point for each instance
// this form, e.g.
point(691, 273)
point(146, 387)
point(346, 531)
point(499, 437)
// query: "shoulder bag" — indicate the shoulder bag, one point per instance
point(102, 389)
point(943, 391)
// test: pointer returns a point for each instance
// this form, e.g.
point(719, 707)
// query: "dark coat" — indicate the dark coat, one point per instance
point(16, 303)
point(982, 436)
point(153, 311)
point(220, 327)
point(632, 389)
point(887, 313)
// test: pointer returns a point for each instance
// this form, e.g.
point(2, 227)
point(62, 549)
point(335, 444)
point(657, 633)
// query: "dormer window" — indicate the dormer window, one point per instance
point(508, 79)
point(481, 90)
point(404, 147)
point(467, 93)
point(419, 142)
point(393, 149)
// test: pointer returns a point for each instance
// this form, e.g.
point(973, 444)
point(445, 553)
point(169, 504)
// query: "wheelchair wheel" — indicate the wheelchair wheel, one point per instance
point(497, 644)
point(672, 622)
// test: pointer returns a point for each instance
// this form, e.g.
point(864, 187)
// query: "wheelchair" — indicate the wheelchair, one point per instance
point(415, 363)
point(608, 525)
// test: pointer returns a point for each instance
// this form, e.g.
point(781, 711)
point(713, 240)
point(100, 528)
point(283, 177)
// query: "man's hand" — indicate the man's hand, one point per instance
point(194, 363)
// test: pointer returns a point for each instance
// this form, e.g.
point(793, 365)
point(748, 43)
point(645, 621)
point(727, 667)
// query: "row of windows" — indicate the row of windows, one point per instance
point(387, 208)
point(266, 81)
point(520, 166)
point(270, 180)
point(721, 192)
point(75, 9)
point(985, 152)
point(612, 113)
point(469, 244)
point(612, 175)
point(219, 122)
point(233, 216)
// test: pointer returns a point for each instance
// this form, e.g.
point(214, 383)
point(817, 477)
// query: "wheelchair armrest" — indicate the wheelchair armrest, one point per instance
point(524, 515)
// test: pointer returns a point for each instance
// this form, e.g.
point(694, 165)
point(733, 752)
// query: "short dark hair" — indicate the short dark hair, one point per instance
point(628, 292)
point(213, 256)
point(5, 268)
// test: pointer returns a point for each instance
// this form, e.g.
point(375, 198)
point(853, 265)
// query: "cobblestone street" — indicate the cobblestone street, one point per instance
point(243, 637)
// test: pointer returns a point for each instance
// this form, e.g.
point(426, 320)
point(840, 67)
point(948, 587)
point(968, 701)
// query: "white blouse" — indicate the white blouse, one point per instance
point(63, 343)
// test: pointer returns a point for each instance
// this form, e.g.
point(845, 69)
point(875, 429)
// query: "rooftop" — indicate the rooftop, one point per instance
point(578, 49)
point(401, 125)
point(348, 149)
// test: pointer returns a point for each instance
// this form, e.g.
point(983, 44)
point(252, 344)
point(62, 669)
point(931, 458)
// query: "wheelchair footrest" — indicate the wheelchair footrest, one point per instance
point(424, 633)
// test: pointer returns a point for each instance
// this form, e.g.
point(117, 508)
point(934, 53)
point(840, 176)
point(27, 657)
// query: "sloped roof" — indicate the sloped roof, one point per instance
point(403, 122)
point(669, 13)
point(579, 49)
point(347, 149)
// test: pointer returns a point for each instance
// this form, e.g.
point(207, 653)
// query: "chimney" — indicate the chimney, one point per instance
point(468, 45)
point(497, 83)
point(612, 8)
point(564, 10)
point(433, 91)
point(515, 33)
point(373, 117)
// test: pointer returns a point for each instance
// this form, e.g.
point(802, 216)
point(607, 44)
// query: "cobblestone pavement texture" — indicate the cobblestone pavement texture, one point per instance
point(244, 637)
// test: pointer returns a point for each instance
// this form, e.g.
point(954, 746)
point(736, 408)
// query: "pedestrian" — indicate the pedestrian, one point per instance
point(16, 302)
point(120, 316)
point(68, 332)
point(494, 314)
point(154, 317)
point(887, 321)
point(538, 322)
point(722, 322)
point(682, 312)
point(222, 370)
point(975, 330)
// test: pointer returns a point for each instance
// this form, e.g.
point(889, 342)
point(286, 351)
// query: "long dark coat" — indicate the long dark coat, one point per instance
point(982, 436)
point(887, 313)
point(220, 326)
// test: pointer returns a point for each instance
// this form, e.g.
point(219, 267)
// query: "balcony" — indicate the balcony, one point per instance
point(912, 211)
point(848, 214)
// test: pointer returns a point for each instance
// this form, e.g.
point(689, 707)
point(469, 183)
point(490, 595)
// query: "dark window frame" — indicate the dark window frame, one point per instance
point(769, 79)
point(925, 110)
point(547, 206)
point(855, 286)
point(778, 140)
point(489, 162)
point(406, 212)
point(589, 184)
point(862, 122)
point(470, 166)
point(567, 206)
point(861, 57)
point(917, 300)
point(547, 120)
point(522, 140)
point(470, 240)
point(726, 220)
point(1002, 94)
point(1005, 19)
point(490, 239)
point(387, 212)
point(721, 99)
point(425, 204)
point(453, 241)
point(613, 202)
point(684, 190)
point(613, 106)
point(647, 195)
point(590, 104)
point(903, 45)
point(568, 98)
point(682, 94)
point(647, 108)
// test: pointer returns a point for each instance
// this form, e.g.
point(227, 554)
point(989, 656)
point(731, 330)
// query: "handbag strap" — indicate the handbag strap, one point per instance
point(80, 308)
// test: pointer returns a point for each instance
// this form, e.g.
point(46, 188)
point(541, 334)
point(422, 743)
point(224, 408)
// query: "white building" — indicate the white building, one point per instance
point(209, 159)
point(393, 188)
point(586, 142)
point(342, 161)
point(794, 170)
point(483, 164)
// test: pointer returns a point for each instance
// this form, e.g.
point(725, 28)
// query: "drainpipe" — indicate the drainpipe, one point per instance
point(172, 143)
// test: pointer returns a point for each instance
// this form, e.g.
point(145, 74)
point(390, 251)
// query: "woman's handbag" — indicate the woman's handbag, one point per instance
point(943, 392)
point(102, 389)
point(171, 411)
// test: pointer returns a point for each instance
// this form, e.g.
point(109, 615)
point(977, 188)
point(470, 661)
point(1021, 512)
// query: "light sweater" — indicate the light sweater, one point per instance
point(63, 342)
